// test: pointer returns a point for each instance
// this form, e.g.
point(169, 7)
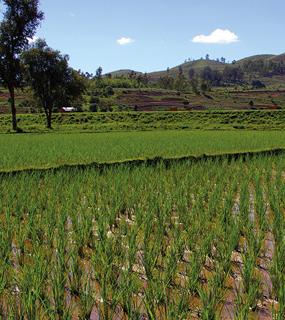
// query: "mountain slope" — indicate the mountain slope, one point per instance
point(122, 72)
point(199, 65)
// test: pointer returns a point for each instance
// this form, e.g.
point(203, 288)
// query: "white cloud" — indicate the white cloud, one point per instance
point(124, 40)
point(33, 39)
point(220, 36)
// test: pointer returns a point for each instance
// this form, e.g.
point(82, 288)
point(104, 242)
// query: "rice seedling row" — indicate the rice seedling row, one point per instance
point(195, 240)
point(27, 151)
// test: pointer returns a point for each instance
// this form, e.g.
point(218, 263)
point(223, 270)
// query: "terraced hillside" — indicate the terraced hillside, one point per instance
point(21, 98)
point(230, 99)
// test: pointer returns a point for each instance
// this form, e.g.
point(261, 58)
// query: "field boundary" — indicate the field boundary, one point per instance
point(234, 156)
point(154, 120)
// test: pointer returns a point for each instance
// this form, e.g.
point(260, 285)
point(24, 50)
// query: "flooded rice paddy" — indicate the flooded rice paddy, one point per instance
point(201, 240)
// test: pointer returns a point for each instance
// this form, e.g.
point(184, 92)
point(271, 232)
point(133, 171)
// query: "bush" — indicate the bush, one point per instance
point(257, 84)
point(29, 104)
point(93, 107)
point(109, 91)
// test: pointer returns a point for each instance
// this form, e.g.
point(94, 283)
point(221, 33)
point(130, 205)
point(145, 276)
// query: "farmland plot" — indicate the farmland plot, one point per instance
point(201, 240)
point(32, 151)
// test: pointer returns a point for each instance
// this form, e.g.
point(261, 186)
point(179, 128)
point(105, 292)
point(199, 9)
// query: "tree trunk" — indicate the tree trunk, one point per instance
point(13, 108)
point(48, 114)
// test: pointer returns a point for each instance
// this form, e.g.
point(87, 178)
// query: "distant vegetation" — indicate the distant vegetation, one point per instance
point(37, 78)
point(35, 65)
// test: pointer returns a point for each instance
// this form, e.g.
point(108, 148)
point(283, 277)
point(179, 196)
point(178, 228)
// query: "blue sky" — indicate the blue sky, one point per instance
point(160, 32)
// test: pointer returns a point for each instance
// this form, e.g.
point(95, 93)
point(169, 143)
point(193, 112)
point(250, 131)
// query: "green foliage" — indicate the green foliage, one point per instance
point(54, 84)
point(19, 24)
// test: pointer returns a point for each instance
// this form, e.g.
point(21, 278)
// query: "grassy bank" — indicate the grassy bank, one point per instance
point(57, 149)
point(125, 121)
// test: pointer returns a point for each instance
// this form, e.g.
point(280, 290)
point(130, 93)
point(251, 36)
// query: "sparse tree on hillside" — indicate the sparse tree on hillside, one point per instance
point(18, 26)
point(191, 74)
point(132, 74)
point(87, 75)
point(142, 79)
point(54, 83)
point(233, 75)
point(205, 86)
point(145, 79)
point(207, 74)
point(212, 77)
point(207, 56)
point(194, 85)
point(180, 82)
point(166, 82)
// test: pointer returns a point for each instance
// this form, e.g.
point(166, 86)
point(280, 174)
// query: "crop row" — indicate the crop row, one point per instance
point(52, 150)
point(200, 240)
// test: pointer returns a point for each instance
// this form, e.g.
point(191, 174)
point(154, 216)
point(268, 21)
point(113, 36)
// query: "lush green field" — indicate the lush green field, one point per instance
point(126, 121)
point(201, 240)
point(55, 149)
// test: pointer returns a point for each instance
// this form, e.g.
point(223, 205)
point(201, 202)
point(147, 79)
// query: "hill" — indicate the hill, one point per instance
point(278, 58)
point(256, 58)
point(122, 72)
point(199, 65)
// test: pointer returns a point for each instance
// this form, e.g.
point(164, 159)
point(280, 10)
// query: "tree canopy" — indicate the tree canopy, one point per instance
point(18, 25)
point(54, 83)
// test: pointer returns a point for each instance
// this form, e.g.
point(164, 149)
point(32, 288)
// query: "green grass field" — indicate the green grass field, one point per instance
point(56, 149)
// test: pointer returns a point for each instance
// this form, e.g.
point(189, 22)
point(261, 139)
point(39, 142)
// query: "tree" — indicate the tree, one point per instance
point(207, 74)
point(98, 74)
point(180, 81)
point(145, 79)
point(233, 75)
point(54, 83)
point(191, 74)
point(257, 84)
point(205, 86)
point(194, 85)
point(207, 56)
point(166, 82)
point(19, 24)
point(132, 74)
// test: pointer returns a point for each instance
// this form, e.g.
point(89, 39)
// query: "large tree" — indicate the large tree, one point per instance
point(18, 25)
point(54, 83)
